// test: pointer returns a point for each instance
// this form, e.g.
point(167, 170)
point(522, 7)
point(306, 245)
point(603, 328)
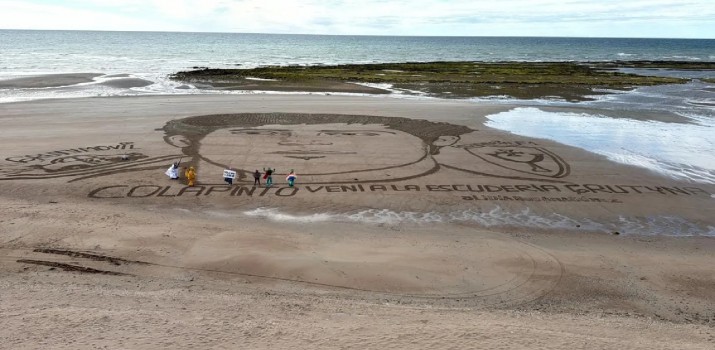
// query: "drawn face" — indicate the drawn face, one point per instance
point(312, 149)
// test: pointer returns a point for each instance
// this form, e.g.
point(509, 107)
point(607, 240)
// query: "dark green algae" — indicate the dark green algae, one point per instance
point(572, 81)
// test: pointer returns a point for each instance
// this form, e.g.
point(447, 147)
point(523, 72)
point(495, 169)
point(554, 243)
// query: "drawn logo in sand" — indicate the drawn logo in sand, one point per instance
point(335, 149)
point(79, 163)
point(503, 159)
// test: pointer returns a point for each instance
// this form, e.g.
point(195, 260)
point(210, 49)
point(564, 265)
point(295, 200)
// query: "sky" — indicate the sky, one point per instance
point(575, 18)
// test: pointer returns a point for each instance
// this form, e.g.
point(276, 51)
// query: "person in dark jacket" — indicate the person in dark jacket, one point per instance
point(256, 178)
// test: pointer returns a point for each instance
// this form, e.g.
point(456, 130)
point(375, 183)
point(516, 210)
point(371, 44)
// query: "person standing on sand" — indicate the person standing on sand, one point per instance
point(173, 171)
point(257, 178)
point(190, 176)
point(228, 179)
point(268, 176)
point(291, 178)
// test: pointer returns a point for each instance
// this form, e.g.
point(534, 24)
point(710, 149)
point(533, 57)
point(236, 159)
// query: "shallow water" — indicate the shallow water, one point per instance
point(497, 217)
point(682, 151)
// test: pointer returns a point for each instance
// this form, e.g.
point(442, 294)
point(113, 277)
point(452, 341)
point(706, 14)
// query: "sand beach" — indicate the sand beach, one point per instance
point(411, 225)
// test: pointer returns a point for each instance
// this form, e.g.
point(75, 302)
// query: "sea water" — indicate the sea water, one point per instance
point(155, 55)
point(682, 151)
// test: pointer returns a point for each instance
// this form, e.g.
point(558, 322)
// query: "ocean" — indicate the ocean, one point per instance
point(684, 150)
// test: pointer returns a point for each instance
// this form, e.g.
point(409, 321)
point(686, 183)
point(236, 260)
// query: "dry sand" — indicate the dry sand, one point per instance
point(99, 252)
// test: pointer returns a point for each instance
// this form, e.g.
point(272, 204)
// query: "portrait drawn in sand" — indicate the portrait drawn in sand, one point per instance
point(322, 148)
point(337, 149)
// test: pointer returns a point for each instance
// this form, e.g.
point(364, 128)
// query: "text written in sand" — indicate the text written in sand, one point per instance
point(565, 193)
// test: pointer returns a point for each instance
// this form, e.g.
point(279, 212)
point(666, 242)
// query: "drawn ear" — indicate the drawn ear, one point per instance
point(178, 141)
point(445, 141)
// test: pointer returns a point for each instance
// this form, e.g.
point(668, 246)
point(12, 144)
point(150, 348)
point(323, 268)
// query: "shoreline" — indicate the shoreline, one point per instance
point(565, 81)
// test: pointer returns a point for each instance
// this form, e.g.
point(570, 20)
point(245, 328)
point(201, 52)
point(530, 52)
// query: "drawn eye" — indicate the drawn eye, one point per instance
point(260, 132)
point(350, 133)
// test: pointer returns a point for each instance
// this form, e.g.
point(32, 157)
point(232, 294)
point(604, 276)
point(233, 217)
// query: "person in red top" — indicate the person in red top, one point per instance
point(291, 178)
point(268, 176)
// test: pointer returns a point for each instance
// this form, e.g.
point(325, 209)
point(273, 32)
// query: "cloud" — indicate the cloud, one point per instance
point(35, 15)
point(657, 18)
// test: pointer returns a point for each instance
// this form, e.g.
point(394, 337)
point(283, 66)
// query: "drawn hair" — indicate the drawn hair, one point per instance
point(196, 128)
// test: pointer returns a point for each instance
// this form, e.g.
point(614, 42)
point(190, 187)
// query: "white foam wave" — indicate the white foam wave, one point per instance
point(260, 79)
point(684, 58)
point(162, 85)
point(383, 86)
point(94, 88)
point(706, 102)
point(385, 216)
point(498, 217)
point(275, 215)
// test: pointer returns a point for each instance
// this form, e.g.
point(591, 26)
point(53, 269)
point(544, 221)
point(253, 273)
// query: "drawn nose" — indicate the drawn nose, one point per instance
point(304, 143)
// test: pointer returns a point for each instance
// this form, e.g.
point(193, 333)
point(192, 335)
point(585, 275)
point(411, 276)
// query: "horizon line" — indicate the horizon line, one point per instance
point(363, 35)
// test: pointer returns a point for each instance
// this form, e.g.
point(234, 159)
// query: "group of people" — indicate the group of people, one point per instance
point(267, 175)
point(189, 173)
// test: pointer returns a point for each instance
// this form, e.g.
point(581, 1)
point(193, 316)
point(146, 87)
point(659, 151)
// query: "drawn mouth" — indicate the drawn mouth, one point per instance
point(311, 152)
point(305, 157)
point(305, 144)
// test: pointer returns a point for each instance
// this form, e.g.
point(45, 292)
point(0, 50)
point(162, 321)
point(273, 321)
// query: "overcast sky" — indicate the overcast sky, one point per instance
point(595, 18)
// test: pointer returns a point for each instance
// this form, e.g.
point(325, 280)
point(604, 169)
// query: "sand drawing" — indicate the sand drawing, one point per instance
point(81, 163)
point(328, 148)
point(338, 149)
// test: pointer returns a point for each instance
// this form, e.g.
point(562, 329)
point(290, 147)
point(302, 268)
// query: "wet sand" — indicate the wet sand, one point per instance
point(99, 251)
point(48, 80)
point(119, 81)
point(126, 83)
